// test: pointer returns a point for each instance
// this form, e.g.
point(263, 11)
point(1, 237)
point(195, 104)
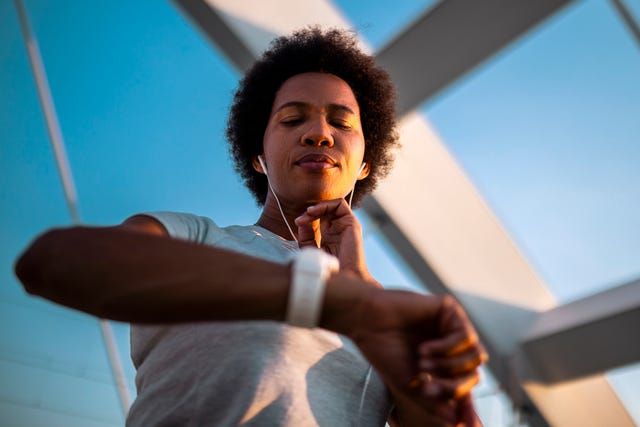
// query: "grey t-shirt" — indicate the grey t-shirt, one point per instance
point(250, 373)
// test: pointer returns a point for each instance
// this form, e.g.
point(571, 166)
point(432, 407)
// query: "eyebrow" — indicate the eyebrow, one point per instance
point(304, 105)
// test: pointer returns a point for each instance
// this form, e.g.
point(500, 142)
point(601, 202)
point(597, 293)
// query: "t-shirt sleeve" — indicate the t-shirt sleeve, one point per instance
point(193, 228)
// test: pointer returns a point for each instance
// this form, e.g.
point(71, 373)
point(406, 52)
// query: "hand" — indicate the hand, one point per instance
point(332, 226)
point(406, 336)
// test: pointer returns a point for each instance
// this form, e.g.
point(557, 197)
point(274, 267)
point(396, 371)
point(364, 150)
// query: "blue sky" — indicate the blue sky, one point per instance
point(548, 130)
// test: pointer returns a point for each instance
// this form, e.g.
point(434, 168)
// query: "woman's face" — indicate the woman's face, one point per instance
point(313, 143)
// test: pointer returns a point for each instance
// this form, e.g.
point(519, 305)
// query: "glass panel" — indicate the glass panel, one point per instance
point(547, 130)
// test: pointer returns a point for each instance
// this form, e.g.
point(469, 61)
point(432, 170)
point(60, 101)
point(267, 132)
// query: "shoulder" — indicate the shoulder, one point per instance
point(178, 225)
point(144, 224)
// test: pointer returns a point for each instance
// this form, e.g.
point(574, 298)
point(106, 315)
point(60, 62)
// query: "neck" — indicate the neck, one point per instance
point(272, 219)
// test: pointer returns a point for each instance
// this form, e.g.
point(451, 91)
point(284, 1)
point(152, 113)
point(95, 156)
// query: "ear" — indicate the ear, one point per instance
point(256, 165)
point(364, 172)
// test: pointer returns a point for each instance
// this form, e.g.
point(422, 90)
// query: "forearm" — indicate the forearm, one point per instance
point(137, 277)
point(129, 276)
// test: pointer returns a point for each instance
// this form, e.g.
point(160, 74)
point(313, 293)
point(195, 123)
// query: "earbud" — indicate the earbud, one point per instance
point(262, 164)
point(364, 165)
point(353, 189)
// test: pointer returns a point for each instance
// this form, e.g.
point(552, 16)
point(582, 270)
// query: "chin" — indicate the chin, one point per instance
point(310, 193)
point(317, 198)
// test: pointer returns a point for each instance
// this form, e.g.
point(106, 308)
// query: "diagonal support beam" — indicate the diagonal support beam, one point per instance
point(452, 38)
point(585, 337)
point(216, 28)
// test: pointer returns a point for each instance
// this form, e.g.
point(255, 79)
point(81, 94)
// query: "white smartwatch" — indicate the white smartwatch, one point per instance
point(310, 271)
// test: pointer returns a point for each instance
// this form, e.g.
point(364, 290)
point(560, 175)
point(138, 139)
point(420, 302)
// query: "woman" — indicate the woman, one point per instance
point(208, 305)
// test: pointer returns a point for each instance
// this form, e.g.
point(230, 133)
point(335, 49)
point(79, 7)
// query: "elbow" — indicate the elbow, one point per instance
point(36, 265)
point(58, 266)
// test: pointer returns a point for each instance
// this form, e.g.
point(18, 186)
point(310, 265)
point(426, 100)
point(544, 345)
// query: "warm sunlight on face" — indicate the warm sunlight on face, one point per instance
point(313, 143)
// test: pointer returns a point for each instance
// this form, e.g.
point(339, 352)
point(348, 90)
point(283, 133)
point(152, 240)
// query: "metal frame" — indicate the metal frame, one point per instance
point(585, 337)
point(453, 37)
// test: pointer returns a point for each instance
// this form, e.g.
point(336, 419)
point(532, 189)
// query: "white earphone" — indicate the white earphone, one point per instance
point(264, 167)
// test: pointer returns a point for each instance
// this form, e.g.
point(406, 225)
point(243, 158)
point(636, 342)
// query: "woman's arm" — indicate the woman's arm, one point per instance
point(134, 273)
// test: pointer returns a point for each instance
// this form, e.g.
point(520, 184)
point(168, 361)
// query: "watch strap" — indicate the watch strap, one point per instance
point(310, 271)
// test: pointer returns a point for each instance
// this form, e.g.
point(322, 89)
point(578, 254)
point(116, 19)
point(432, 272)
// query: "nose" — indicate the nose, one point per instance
point(318, 134)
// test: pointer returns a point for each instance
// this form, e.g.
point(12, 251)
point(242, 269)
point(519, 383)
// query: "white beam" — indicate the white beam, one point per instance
point(242, 29)
point(587, 336)
point(215, 28)
point(453, 37)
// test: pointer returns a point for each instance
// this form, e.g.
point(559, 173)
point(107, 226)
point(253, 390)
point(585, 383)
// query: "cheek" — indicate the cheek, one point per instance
point(268, 143)
point(359, 149)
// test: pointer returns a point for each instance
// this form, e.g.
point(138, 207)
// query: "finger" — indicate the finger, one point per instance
point(451, 344)
point(450, 388)
point(458, 364)
point(307, 230)
point(333, 217)
point(323, 214)
point(454, 331)
point(329, 208)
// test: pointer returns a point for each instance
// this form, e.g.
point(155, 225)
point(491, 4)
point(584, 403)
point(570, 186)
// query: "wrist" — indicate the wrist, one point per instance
point(344, 303)
point(311, 269)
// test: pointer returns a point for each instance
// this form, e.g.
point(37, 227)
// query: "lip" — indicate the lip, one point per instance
point(315, 161)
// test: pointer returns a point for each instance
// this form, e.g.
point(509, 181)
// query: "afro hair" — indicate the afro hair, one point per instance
point(313, 50)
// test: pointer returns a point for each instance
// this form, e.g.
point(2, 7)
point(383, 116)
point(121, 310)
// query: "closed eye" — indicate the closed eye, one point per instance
point(291, 121)
point(341, 124)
